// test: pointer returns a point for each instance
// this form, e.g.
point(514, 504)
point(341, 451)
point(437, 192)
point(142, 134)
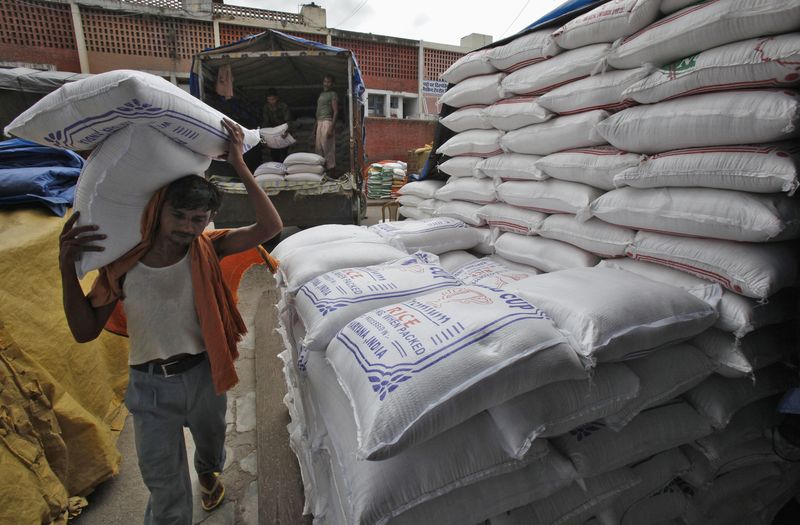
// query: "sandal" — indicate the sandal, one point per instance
point(211, 498)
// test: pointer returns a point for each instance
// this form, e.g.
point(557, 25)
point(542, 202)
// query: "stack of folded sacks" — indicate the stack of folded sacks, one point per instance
point(270, 172)
point(304, 167)
point(385, 178)
point(683, 170)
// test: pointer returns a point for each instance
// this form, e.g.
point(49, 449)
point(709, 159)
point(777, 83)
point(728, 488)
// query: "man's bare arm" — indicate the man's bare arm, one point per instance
point(268, 223)
point(335, 107)
point(84, 320)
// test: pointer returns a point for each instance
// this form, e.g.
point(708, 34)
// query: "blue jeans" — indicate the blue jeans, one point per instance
point(161, 407)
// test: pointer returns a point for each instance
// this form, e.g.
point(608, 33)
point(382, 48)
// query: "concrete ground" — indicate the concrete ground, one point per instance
point(262, 479)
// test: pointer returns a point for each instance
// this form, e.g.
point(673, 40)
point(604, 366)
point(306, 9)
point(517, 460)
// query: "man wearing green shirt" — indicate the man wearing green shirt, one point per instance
point(324, 131)
point(274, 114)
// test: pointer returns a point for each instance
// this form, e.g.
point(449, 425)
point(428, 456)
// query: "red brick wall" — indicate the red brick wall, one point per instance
point(390, 139)
point(385, 66)
point(38, 32)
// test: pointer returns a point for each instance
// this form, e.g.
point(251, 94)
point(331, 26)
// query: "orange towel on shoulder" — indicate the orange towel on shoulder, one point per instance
point(220, 322)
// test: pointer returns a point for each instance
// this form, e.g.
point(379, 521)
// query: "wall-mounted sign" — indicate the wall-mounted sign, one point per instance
point(434, 87)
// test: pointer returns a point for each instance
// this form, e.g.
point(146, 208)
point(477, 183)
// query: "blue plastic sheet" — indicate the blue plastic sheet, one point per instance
point(40, 175)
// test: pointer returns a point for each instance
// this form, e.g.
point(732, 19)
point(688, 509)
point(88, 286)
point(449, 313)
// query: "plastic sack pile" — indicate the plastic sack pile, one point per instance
point(296, 167)
point(384, 179)
point(646, 213)
point(144, 133)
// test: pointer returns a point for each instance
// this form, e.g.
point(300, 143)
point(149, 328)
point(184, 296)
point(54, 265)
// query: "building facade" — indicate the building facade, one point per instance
point(162, 36)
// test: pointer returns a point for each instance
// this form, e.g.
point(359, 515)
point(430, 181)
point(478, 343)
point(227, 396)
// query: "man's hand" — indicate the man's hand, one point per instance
point(330, 131)
point(74, 241)
point(236, 141)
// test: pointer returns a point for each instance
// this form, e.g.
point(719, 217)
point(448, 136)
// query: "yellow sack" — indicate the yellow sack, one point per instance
point(62, 404)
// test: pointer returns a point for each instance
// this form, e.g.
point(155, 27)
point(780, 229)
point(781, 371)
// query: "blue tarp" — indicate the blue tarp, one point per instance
point(564, 12)
point(359, 88)
point(35, 174)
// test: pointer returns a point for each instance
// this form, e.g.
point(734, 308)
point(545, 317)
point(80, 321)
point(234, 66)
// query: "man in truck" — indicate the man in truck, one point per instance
point(274, 114)
point(325, 128)
point(183, 326)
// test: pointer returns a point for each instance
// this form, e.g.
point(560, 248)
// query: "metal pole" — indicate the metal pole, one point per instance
point(350, 114)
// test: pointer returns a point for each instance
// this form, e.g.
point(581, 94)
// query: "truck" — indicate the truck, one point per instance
point(295, 68)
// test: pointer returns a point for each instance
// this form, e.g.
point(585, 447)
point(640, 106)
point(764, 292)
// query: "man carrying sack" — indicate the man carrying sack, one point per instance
point(183, 326)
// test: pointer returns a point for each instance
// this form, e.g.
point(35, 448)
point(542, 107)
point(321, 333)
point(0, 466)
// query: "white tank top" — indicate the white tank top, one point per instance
point(162, 318)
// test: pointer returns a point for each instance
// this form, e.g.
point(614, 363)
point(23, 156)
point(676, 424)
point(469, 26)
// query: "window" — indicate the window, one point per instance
point(376, 105)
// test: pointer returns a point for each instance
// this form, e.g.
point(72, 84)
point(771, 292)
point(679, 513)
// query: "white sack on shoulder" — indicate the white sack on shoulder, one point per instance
point(760, 168)
point(595, 166)
point(470, 65)
point(546, 255)
point(119, 179)
point(549, 196)
point(542, 77)
point(482, 90)
point(611, 313)
point(712, 119)
point(759, 62)
point(475, 142)
point(523, 51)
point(607, 23)
point(755, 270)
point(511, 166)
point(435, 235)
point(558, 134)
point(703, 212)
point(515, 112)
point(704, 26)
point(411, 370)
point(594, 235)
point(604, 91)
point(82, 114)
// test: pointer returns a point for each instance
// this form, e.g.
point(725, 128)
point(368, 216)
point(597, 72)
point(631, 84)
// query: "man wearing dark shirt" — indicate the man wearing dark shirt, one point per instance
point(274, 114)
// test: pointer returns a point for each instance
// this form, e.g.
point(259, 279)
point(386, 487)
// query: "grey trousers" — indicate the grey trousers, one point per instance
point(161, 407)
